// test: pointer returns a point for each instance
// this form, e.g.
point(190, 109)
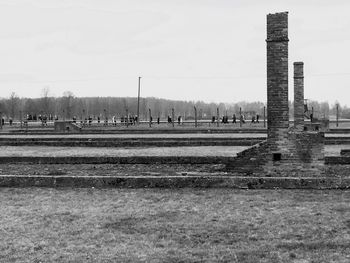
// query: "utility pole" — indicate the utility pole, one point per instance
point(127, 117)
point(1, 120)
point(240, 117)
point(138, 102)
point(337, 115)
point(217, 117)
point(150, 118)
point(173, 116)
point(105, 120)
point(195, 116)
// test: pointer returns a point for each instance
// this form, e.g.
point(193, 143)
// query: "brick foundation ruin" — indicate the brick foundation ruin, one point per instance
point(66, 126)
point(288, 151)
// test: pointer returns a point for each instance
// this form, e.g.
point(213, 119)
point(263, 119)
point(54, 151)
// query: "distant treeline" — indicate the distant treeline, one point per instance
point(69, 106)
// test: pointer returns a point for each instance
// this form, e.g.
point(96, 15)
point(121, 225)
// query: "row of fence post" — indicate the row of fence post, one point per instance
point(240, 114)
point(173, 117)
point(196, 117)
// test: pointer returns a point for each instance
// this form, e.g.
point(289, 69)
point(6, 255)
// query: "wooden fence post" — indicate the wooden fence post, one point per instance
point(337, 116)
point(217, 117)
point(150, 118)
point(127, 118)
point(240, 117)
point(195, 116)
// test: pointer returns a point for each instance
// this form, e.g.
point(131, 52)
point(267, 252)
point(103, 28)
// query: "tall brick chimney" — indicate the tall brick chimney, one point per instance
point(286, 152)
point(277, 81)
point(299, 96)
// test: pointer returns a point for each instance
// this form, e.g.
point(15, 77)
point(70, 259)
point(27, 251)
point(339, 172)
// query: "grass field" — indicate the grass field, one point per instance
point(182, 225)
point(61, 151)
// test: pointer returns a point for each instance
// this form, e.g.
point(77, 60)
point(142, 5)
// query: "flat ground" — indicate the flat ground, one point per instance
point(135, 136)
point(153, 136)
point(137, 151)
point(134, 169)
point(118, 151)
point(111, 169)
point(178, 225)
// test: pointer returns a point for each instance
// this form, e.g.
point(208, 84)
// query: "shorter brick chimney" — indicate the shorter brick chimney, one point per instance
point(299, 96)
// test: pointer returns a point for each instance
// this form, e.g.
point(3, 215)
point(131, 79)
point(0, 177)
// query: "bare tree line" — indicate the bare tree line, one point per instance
point(68, 106)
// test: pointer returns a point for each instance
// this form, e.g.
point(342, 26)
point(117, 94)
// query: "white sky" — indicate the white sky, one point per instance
point(211, 50)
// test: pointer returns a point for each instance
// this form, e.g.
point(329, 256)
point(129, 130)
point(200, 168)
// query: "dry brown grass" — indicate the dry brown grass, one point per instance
point(178, 225)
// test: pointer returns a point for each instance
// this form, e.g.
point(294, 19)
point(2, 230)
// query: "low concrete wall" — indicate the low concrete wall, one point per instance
point(339, 130)
point(118, 160)
point(122, 130)
point(331, 160)
point(175, 182)
point(337, 140)
point(142, 142)
point(345, 152)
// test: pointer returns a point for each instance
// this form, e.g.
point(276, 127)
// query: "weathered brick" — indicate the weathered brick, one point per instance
point(286, 152)
point(299, 96)
point(277, 80)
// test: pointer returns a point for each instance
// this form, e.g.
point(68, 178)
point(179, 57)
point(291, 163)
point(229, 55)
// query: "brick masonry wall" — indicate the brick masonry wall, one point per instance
point(251, 160)
point(303, 156)
point(286, 152)
point(277, 80)
point(66, 126)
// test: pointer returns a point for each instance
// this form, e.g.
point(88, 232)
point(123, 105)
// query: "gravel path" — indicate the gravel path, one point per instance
point(131, 136)
point(139, 136)
point(125, 152)
point(330, 150)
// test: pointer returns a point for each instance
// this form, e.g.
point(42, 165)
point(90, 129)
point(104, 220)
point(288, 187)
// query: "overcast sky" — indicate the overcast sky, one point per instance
point(211, 50)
